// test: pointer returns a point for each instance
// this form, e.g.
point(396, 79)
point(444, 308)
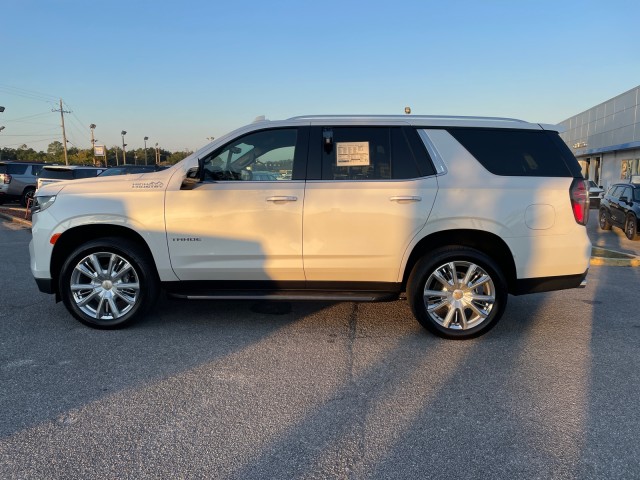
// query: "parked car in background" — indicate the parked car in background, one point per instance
point(264, 176)
point(58, 173)
point(620, 207)
point(18, 180)
point(130, 169)
point(595, 194)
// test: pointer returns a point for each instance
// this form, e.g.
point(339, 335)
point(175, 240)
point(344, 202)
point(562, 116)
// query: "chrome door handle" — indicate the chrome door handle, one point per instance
point(282, 199)
point(407, 198)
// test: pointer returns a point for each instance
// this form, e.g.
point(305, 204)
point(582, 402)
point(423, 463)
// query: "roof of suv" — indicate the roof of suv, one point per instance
point(430, 121)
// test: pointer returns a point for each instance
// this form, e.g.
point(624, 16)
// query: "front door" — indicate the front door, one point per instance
point(244, 222)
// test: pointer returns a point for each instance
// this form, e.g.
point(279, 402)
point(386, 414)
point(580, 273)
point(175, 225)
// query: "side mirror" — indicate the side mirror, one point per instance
point(624, 199)
point(194, 176)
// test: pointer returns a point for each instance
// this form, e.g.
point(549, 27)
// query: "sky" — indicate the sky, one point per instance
point(179, 72)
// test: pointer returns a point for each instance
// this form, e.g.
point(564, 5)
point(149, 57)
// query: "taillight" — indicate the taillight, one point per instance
point(579, 194)
point(7, 178)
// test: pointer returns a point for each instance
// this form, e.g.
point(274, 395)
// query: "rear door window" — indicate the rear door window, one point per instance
point(372, 153)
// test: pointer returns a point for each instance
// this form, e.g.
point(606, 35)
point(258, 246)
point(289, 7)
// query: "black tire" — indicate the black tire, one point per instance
point(631, 227)
point(603, 220)
point(459, 316)
point(26, 195)
point(106, 302)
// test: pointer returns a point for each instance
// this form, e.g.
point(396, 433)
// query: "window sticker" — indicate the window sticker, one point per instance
point(352, 154)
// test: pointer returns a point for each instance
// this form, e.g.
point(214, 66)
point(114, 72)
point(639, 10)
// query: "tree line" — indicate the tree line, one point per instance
point(79, 156)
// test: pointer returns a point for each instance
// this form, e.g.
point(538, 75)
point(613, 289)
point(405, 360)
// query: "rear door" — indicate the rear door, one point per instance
point(369, 191)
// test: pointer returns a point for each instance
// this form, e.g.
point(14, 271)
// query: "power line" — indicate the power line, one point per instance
point(19, 119)
point(23, 92)
point(28, 135)
point(32, 141)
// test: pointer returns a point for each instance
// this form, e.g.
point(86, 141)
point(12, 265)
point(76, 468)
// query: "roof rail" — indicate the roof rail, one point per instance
point(420, 117)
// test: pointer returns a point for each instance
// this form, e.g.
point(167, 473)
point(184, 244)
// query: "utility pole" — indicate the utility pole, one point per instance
point(124, 147)
point(64, 133)
point(93, 143)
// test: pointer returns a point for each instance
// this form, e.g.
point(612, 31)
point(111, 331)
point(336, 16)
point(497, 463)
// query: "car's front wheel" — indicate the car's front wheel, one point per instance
point(108, 283)
point(457, 292)
point(26, 195)
point(631, 227)
point(603, 220)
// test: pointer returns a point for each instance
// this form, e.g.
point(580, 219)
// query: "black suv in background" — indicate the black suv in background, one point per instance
point(130, 169)
point(18, 180)
point(620, 207)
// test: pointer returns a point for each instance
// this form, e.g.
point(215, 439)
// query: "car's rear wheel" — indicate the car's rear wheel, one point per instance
point(603, 220)
point(457, 292)
point(108, 283)
point(631, 227)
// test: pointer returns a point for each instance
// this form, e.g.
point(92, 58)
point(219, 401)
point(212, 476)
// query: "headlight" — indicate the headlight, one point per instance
point(42, 203)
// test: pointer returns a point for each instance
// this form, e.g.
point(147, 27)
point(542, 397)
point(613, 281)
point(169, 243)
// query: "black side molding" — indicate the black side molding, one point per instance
point(547, 284)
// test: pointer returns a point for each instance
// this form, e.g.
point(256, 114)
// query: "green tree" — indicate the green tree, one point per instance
point(55, 150)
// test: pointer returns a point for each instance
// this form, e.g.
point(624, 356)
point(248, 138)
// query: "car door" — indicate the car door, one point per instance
point(369, 191)
point(232, 227)
point(618, 207)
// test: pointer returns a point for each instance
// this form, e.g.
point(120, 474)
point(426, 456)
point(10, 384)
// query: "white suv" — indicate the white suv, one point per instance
point(458, 212)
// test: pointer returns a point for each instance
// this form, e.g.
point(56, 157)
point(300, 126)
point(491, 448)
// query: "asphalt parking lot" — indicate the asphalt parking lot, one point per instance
point(319, 390)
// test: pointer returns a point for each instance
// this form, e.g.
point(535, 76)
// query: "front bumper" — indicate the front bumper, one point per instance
point(45, 285)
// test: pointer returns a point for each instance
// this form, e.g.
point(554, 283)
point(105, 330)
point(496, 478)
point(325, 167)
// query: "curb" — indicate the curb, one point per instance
point(615, 261)
point(11, 218)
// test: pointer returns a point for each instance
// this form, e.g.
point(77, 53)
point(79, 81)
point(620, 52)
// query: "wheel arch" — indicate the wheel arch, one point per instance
point(485, 242)
point(76, 236)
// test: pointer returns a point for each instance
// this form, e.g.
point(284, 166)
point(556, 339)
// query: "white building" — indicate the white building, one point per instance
point(606, 139)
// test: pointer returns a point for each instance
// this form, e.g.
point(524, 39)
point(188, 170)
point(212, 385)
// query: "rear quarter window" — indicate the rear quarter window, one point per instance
point(518, 152)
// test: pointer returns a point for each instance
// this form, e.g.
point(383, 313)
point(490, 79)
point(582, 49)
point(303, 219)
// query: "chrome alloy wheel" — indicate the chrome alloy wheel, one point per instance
point(459, 295)
point(105, 286)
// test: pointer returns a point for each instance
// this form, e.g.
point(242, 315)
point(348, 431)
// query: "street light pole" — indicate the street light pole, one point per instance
point(1, 128)
point(145, 150)
point(124, 145)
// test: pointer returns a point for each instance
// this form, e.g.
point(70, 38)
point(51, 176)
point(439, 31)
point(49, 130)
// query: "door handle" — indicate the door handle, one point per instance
point(282, 199)
point(405, 198)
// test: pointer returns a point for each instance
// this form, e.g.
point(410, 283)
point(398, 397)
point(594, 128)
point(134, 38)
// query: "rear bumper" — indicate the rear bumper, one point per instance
point(548, 284)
